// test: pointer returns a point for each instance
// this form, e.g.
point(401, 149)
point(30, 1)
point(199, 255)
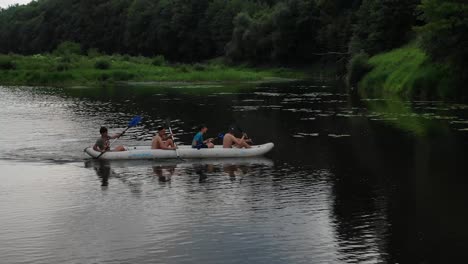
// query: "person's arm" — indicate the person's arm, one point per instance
point(162, 146)
point(238, 141)
point(208, 140)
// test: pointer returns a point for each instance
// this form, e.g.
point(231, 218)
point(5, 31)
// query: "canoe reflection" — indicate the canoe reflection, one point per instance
point(164, 172)
point(137, 173)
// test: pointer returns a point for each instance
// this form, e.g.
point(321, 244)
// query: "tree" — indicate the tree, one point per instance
point(383, 25)
point(445, 34)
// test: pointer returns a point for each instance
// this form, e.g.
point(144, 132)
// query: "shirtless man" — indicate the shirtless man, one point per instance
point(230, 140)
point(103, 144)
point(162, 141)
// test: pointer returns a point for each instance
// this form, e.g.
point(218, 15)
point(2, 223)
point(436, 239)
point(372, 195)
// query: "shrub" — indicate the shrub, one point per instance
point(68, 48)
point(93, 53)
point(103, 77)
point(7, 63)
point(63, 67)
point(183, 68)
point(65, 59)
point(122, 76)
point(358, 67)
point(102, 64)
point(199, 67)
point(159, 60)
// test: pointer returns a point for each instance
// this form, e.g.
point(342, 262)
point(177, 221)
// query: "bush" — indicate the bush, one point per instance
point(63, 67)
point(159, 60)
point(103, 77)
point(199, 67)
point(7, 63)
point(93, 53)
point(65, 59)
point(183, 68)
point(358, 67)
point(102, 65)
point(122, 76)
point(68, 48)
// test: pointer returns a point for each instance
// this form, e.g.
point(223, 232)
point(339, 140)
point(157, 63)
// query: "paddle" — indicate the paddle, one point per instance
point(132, 123)
point(168, 123)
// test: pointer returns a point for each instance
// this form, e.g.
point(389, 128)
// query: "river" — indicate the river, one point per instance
point(350, 180)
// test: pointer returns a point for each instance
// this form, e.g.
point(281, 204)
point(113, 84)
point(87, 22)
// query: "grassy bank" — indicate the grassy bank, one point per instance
point(75, 69)
point(407, 72)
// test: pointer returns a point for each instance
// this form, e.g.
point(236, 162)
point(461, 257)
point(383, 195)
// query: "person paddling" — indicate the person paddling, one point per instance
point(198, 142)
point(103, 144)
point(162, 141)
point(230, 140)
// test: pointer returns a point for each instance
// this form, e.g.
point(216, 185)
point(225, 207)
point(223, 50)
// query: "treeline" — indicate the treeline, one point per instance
point(255, 31)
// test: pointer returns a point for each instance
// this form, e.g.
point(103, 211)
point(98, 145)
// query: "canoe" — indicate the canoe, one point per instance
point(185, 152)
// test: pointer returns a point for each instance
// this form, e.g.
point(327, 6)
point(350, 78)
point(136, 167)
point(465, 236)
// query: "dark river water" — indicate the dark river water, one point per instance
point(349, 181)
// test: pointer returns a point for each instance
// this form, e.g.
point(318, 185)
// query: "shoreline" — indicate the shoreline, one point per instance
point(77, 70)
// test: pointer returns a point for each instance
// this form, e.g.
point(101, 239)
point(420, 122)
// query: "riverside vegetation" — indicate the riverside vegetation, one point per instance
point(369, 41)
point(74, 69)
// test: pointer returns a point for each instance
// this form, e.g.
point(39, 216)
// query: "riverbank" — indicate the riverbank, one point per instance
point(67, 70)
point(408, 72)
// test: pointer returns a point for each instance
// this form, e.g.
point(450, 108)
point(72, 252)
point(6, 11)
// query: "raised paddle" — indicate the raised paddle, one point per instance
point(168, 123)
point(132, 123)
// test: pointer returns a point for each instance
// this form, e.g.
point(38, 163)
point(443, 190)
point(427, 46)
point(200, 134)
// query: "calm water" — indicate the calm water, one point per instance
point(349, 181)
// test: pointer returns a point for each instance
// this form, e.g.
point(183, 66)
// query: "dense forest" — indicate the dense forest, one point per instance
point(286, 32)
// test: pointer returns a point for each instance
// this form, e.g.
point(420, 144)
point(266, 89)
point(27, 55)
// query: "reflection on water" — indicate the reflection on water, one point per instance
point(350, 180)
point(164, 171)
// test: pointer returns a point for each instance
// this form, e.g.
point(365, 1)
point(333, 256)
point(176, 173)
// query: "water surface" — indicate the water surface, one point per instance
point(350, 180)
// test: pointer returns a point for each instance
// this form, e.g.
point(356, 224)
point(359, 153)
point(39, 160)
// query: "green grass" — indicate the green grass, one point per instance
point(83, 70)
point(408, 72)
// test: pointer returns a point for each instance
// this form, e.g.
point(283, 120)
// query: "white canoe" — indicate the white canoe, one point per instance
point(187, 152)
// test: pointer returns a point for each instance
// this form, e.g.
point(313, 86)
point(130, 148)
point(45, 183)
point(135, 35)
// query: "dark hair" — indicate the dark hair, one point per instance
point(103, 130)
point(160, 128)
point(202, 126)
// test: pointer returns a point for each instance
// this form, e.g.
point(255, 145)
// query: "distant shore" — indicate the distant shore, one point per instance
point(69, 70)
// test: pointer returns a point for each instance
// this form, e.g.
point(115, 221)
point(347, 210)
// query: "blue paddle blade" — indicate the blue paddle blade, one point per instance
point(221, 135)
point(134, 121)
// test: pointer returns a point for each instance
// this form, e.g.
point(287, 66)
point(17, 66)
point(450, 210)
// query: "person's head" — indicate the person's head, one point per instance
point(161, 130)
point(103, 131)
point(231, 130)
point(203, 128)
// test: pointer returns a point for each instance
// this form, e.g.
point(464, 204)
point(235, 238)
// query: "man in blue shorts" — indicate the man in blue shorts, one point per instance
point(198, 142)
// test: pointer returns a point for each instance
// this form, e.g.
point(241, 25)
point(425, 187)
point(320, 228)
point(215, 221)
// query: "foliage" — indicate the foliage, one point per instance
point(408, 71)
point(383, 25)
point(282, 31)
point(358, 67)
point(286, 33)
point(63, 67)
point(445, 34)
point(243, 32)
point(159, 60)
point(102, 64)
point(68, 48)
point(7, 63)
point(51, 70)
point(93, 53)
